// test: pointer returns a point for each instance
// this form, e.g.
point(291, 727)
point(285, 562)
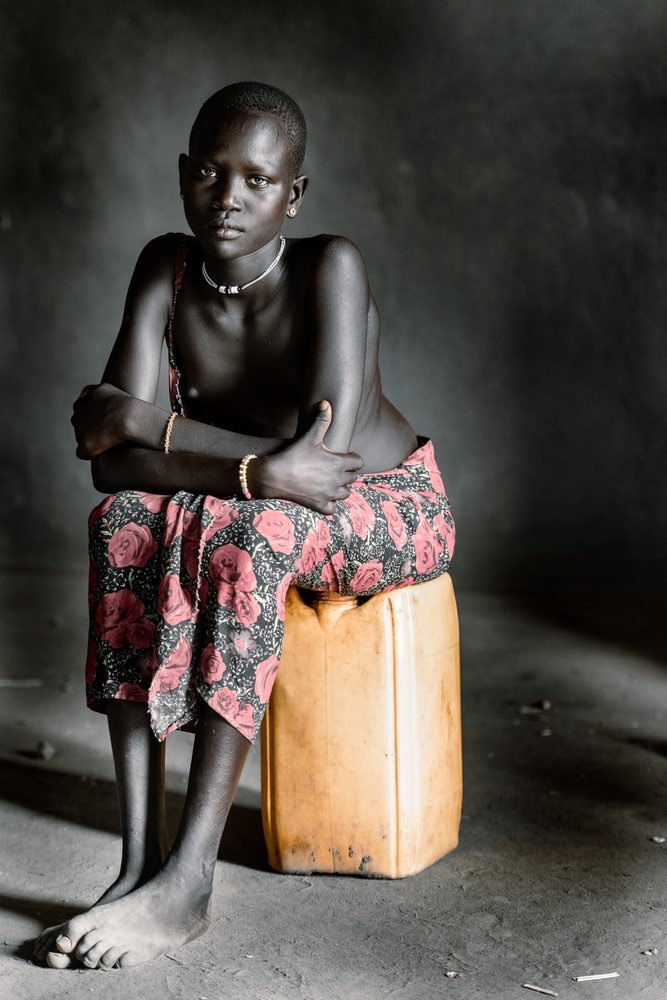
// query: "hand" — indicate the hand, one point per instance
point(307, 471)
point(100, 419)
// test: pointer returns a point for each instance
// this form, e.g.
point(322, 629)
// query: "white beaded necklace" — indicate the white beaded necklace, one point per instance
point(235, 289)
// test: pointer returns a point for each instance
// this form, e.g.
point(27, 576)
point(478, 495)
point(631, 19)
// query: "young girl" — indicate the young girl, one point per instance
point(252, 483)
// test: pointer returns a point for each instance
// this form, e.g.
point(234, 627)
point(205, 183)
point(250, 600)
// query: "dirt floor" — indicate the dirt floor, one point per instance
point(560, 872)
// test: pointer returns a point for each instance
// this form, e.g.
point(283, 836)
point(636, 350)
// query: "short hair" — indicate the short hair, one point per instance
point(262, 97)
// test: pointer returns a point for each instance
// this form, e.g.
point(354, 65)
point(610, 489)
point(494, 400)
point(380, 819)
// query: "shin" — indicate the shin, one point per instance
point(139, 764)
point(219, 754)
point(173, 906)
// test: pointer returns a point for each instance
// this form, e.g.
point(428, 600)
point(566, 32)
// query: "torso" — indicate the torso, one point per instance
point(243, 368)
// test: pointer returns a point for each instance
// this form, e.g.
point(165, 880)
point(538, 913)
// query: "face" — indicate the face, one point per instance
point(238, 184)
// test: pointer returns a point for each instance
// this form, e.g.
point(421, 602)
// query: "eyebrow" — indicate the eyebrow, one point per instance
point(268, 167)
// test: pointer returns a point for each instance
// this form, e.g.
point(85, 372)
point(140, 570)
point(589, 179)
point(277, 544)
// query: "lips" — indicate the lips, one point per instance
point(225, 225)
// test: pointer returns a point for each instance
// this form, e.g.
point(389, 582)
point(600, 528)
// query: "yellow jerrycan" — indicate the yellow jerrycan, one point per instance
point(361, 741)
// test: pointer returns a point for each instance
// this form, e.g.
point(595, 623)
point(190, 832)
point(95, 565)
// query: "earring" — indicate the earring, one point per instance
point(292, 212)
point(181, 196)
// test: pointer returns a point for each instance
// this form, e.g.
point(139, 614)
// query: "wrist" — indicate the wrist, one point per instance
point(146, 424)
point(256, 477)
point(132, 423)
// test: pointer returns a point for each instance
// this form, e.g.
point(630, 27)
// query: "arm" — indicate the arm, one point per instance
point(105, 416)
point(122, 407)
point(202, 458)
point(307, 473)
point(336, 316)
point(337, 305)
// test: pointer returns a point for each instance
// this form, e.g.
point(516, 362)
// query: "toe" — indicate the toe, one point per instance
point(88, 943)
point(47, 941)
point(56, 960)
point(74, 930)
point(93, 954)
point(110, 957)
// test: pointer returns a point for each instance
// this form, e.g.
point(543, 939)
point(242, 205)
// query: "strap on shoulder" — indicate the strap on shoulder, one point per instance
point(184, 244)
point(180, 263)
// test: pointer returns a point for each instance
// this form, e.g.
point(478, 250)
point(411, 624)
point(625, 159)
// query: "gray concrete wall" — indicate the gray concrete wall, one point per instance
point(501, 166)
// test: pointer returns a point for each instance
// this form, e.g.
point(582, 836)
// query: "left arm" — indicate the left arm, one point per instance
point(336, 318)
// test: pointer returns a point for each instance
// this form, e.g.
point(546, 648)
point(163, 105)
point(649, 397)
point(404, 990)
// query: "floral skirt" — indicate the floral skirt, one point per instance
point(187, 593)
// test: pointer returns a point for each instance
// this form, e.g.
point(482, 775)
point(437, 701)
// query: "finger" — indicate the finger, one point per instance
point(86, 389)
point(348, 461)
point(320, 424)
point(343, 476)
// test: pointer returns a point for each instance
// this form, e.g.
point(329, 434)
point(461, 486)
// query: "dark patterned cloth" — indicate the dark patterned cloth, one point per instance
point(187, 593)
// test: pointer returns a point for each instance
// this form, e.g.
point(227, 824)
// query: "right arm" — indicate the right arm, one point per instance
point(122, 407)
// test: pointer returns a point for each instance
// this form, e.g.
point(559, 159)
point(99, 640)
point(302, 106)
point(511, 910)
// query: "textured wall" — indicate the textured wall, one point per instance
point(501, 166)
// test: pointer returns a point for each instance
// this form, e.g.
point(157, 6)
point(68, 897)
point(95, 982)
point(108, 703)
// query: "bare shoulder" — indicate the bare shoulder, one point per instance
point(150, 295)
point(155, 264)
point(134, 363)
point(327, 257)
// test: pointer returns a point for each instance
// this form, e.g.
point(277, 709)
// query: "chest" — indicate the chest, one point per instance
point(240, 368)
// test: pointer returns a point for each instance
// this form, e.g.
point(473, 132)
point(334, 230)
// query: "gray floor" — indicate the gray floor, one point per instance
point(560, 871)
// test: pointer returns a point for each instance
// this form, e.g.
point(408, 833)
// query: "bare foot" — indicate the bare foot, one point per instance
point(130, 880)
point(46, 949)
point(159, 916)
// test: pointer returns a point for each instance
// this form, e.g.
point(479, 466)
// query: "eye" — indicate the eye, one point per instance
point(258, 181)
point(207, 172)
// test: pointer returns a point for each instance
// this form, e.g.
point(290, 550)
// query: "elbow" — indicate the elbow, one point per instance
point(103, 481)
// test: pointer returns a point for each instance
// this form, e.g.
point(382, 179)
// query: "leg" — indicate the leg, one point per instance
point(173, 907)
point(139, 764)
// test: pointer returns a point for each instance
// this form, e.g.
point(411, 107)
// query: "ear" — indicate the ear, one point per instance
point(182, 163)
point(296, 195)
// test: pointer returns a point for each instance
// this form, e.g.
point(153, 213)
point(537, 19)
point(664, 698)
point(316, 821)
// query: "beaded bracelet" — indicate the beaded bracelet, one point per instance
point(243, 476)
point(167, 433)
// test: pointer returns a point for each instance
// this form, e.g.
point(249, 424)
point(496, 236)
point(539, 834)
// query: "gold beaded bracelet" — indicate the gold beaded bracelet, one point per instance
point(167, 433)
point(243, 476)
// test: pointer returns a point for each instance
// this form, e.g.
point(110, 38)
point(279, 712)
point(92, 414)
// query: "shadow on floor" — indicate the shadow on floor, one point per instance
point(635, 622)
point(45, 912)
point(92, 802)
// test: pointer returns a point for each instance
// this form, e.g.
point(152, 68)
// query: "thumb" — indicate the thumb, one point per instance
point(320, 424)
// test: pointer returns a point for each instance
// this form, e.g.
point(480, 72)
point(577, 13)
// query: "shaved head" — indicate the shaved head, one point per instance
point(257, 97)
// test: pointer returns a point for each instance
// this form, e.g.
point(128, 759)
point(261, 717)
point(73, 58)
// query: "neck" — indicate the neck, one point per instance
point(240, 270)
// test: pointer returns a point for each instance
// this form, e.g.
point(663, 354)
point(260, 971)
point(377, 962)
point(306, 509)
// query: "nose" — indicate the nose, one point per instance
point(227, 195)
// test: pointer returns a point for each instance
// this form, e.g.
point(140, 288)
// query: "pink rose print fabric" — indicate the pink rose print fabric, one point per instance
point(187, 593)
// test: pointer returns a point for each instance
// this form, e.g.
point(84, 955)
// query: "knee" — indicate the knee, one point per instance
point(277, 528)
point(111, 508)
point(257, 520)
point(258, 526)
